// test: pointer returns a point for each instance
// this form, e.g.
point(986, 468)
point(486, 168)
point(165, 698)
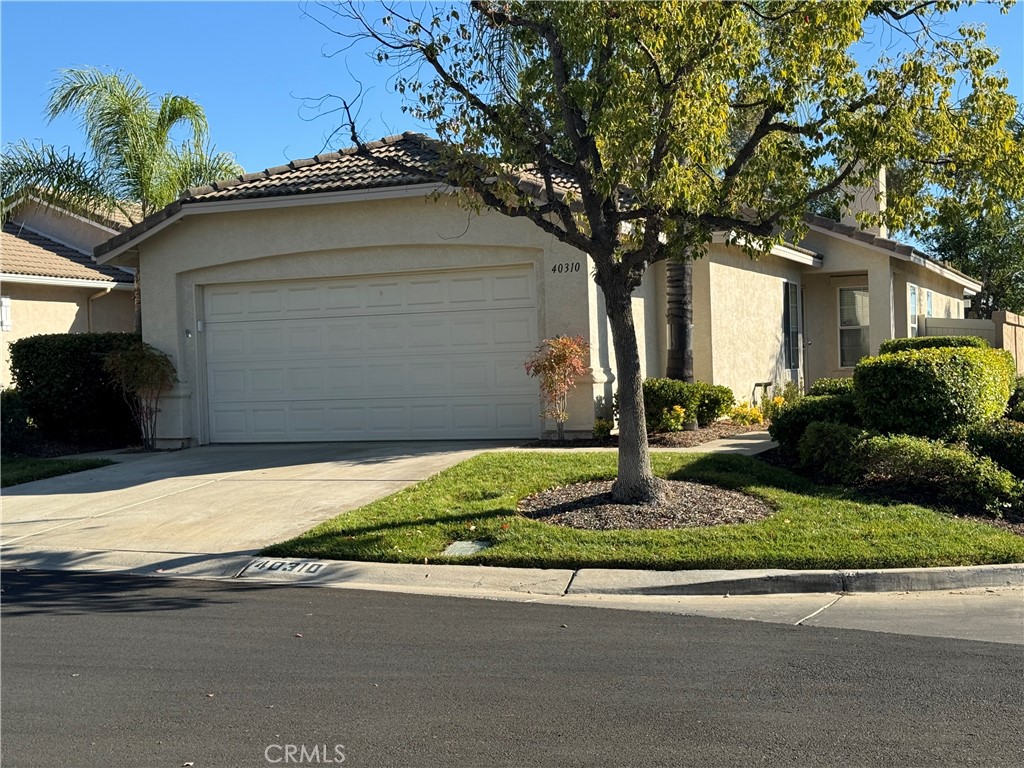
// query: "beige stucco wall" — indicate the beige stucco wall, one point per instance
point(38, 309)
point(350, 239)
point(847, 263)
point(65, 228)
point(744, 339)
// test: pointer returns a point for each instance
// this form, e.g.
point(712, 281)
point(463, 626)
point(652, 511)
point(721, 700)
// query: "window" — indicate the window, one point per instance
point(5, 313)
point(791, 324)
point(912, 311)
point(928, 297)
point(853, 326)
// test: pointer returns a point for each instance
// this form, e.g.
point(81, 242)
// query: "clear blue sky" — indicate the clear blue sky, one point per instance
point(248, 63)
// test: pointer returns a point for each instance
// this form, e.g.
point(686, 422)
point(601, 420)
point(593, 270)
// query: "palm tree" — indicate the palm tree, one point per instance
point(133, 166)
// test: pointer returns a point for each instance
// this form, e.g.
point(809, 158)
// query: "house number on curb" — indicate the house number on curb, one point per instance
point(565, 267)
point(296, 567)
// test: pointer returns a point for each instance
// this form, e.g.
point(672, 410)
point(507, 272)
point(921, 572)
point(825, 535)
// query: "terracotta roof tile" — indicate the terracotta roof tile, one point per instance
point(25, 252)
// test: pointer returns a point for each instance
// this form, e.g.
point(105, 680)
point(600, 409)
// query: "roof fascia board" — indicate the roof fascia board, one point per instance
point(782, 251)
point(66, 282)
point(189, 208)
point(914, 258)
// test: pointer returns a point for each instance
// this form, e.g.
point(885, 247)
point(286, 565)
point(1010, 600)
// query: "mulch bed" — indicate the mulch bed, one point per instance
point(685, 505)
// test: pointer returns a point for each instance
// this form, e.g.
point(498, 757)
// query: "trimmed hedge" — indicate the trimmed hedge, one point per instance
point(1003, 442)
point(792, 421)
point(827, 386)
point(1015, 408)
point(890, 346)
point(913, 468)
point(65, 390)
point(716, 400)
point(827, 450)
point(701, 401)
point(14, 422)
point(934, 393)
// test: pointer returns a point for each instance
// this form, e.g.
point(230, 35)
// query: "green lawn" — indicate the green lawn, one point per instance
point(814, 527)
point(14, 471)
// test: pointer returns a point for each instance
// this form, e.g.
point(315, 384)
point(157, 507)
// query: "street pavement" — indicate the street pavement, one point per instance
point(204, 512)
point(107, 671)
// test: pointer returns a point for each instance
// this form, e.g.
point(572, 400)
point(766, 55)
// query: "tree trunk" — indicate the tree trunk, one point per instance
point(680, 320)
point(137, 296)
point(636, 483)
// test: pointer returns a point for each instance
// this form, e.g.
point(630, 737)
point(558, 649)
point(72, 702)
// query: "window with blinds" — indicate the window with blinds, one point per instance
point(853, 326)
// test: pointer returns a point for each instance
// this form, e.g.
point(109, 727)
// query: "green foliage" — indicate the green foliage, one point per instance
point(699, 400)
point(673, 419)
point(662, 395)
point(1015, 407)
point(827, 386)
point(143, 373)
point(134, 167)
point(827, 450)
point(915, 468)
point(1002, 441)
point(985, 245)
point(65, 389)
point(15, 425)
point(715, 401)
point(603, 428)
point(936, 393)
point(790, 423)
point(890, 346)
point(746, 414)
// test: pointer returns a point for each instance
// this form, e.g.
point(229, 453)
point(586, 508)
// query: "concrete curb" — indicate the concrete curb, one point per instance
point(552, 582)
point(594, 581)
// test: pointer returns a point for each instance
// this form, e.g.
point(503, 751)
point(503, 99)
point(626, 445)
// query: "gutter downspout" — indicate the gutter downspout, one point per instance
point(95, 296)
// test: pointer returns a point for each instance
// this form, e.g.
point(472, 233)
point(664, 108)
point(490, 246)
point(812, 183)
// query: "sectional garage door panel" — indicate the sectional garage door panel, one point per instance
point(419, 356)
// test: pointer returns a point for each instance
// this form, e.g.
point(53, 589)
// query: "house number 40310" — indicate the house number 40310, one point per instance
point(566, 266)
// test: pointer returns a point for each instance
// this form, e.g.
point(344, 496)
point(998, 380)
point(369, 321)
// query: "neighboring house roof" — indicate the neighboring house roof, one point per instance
point(900, 250)
point(419, 157)
point(24, 252)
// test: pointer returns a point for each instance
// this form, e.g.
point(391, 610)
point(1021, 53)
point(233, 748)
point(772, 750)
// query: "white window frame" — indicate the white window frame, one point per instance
point(5, 313)
point(928, 297)
point(839, 322)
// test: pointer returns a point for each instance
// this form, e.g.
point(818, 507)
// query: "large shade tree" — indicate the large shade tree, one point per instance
point(636, 131)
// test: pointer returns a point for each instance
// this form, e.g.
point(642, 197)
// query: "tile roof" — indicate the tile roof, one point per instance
point(399, 160)
point(25, 252)
point(869, 238)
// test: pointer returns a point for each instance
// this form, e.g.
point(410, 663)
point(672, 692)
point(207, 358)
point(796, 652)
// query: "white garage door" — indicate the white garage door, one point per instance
point(414, 356)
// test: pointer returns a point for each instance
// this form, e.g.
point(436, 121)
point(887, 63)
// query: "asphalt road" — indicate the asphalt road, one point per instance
point(103, 670)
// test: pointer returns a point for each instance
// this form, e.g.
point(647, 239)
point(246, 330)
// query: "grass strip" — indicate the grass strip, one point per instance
point(815, 527)
point(17, 470)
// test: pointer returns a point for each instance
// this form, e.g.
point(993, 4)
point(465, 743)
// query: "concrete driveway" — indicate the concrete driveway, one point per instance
point(184, 506)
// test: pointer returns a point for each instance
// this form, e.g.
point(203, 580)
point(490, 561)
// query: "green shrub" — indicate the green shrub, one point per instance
point(827, 386)
point(890, 346)
point(914, 468)
point(15, 425)
point(65, 389)
point(662, 395)
point(746, 414)
point(826, 449)
point(1002, 441)
point(790, 423)
point(715, 401)
point(935, 393)
point(1015, 407)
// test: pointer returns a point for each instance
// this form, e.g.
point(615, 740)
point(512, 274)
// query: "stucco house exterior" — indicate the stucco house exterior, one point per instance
point(338, 298)
point(50, 283)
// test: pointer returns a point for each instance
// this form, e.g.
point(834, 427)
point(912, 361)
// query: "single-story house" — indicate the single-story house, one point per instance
point(50, 282)
point(337, 298)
